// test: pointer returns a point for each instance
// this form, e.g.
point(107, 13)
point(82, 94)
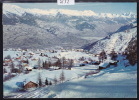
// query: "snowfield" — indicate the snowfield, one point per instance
point(112, 82)
point(117, 41)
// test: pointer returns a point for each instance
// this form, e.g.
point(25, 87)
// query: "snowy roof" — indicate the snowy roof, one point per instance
point(112, 61)
point(93, 61)
point(28, 80)
point(54, 67)
point(29, 67)
point(104, 64)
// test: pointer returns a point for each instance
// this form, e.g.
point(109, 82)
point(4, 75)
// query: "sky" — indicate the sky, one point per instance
point(109, 7)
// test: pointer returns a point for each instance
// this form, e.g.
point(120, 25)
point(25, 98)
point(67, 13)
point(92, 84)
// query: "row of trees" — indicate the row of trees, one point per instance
point(130, 53)
point(103, 56)
point(40, 81)
point(55, 80)
point(61, 63)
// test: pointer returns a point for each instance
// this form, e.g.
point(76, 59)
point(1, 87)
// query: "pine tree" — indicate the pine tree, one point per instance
point(21, 69)
point(40, 80)
point(113, 55)
point(49, 64)
point(46, 81)
point(12, 67)
point(27, 61)
point(4, 71)
point(63, 62)
point(132, 52)
point(50, 83)
point(46, 65)
point(43, 65)
point(55, 80)
point(70, 64)
point(39, 63)
point(102, 56)
point(58, 63)
point(62, 77)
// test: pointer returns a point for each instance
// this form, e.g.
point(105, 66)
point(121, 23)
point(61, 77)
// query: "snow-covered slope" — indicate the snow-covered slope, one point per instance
point(117, 41)
point(114, 82)
point(39, 28)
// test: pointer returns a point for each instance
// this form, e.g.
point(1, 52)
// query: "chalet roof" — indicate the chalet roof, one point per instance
point(104, 64)
point(112, 61)
point(28, 67)
point(30, 80)
point(93, 61)
point(54, 67)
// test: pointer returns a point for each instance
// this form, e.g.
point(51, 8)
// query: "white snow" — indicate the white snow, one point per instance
point(118, 41)
point(113, 82)
point(19, 11)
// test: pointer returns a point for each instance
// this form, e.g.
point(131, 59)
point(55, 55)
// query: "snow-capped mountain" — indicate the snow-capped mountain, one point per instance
point(20, 11)
point(118, 41)
point(38, 28)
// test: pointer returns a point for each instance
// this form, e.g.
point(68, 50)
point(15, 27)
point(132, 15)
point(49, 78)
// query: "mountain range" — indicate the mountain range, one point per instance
point(36, 28)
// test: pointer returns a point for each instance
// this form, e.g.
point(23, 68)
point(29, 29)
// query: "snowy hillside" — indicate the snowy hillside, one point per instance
point(113, 82)
point(39, 28)
point(117, 41)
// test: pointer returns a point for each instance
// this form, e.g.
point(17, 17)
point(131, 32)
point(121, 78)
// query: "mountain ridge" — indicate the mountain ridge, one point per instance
point(118, 41)
point(59, 29)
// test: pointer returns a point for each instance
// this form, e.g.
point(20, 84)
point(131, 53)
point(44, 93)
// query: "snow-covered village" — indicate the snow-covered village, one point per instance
point(68, 65)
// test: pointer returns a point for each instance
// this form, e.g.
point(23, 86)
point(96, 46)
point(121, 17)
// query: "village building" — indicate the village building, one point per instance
point(95, 62)
point(112, 62)
point(30, 84)
point(85, 62)
point(28, 68)
point(104, 65)
point(79, 50)
point(34, 59)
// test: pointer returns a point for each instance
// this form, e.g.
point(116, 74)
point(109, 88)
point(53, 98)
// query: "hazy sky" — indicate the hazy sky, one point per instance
point(117, 8)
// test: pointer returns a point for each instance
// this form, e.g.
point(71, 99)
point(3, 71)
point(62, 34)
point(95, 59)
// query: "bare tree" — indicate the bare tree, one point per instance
point(63, 62)
point(49, 64)
point(62, 77)
point(4, 70)
point(39, 63)
point(70, 64)
point(102, 56)
point(113, 55)
point(58, 63)
point(55, 80)
point(20, 67)
point(27, 61)
point(12, 67)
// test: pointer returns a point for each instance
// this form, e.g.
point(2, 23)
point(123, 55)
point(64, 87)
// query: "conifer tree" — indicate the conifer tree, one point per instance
point(55, 80)
point(62, 77)
point(50, 83)
point(102, 56)
point(46, 81)
point(113, 55)
point(40, 80)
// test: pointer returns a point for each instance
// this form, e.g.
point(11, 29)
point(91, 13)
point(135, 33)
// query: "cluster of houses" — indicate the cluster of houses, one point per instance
point(103, 65)
point(26, 55)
